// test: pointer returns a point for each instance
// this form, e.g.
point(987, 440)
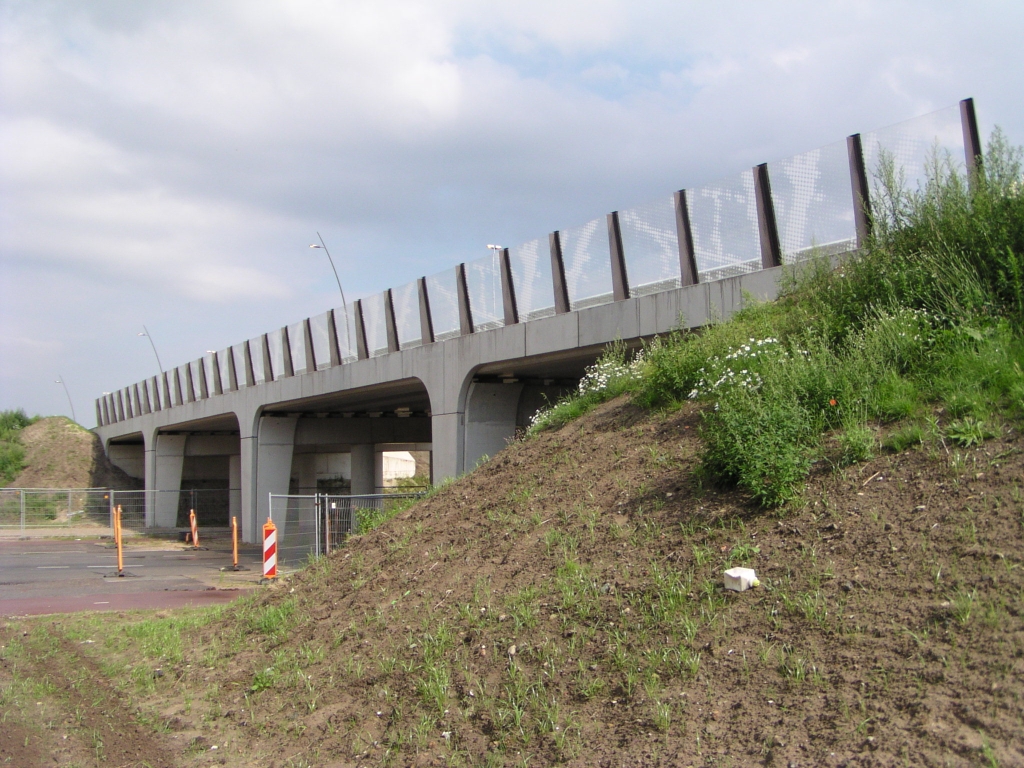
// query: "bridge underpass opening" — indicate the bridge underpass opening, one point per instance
point(353, 442)
point(502, 398)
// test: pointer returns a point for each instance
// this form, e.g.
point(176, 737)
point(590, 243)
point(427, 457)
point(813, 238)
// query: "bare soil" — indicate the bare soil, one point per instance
point(62, 454)
point(565, 599)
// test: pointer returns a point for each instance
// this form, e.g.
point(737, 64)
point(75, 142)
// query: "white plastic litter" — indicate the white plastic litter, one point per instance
point(741, 579)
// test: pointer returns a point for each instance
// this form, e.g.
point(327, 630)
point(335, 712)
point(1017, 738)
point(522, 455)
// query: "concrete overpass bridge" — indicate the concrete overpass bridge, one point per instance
point(455, 363)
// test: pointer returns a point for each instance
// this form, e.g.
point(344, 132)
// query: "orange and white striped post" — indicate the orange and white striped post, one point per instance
point(269, 550)
point(118, 541)
point(195, 528)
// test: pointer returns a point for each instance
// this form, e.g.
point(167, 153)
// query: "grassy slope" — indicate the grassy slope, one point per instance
point(887, 629)
point(562, 603)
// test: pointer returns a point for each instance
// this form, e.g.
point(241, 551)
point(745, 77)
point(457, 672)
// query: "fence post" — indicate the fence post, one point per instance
point(508, 289)
point(462, 294)
point(558, 274)
point(22, 494)
point(620, 278)
point(768, 231)
point(69, 507)
point(972, 139)
point(861, 193)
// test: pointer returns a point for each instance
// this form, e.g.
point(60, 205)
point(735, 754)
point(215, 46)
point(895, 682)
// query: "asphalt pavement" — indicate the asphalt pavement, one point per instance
point(58, 576)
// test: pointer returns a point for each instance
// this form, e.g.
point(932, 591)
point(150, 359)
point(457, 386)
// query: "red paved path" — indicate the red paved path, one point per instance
point(128, 601)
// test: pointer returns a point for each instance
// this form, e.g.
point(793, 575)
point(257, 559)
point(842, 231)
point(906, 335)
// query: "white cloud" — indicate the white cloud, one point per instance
point(169, 163)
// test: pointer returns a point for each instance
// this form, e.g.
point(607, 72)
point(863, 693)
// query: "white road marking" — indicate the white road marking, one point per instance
point(134, 565)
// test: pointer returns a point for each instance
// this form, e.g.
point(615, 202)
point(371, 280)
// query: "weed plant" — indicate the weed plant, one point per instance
point(927, 319)
point(12, 455)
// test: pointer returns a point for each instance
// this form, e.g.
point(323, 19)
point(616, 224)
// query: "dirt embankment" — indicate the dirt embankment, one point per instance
point(62, 454)
point(563, 604)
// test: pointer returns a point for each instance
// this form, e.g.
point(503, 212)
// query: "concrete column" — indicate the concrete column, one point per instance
point(363, 468)
point(149, 460)
point(235, 488)
point(275, 444)
point(378, 471)
point(305, 470)
point(170, 456)
point(448, 434)
point(247, 493)
point(490, 420)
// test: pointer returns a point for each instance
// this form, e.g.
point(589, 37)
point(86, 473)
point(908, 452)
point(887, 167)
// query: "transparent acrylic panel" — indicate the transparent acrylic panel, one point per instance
point(238, 355)
point(319, 329)
point(483, 282)
point(912, 146)
point(208, 366)
point(587, 262)
point(297, 343)
point(406, 302)
point(345, 327)
point(375, 325)
point(650, 246)
point(187, 393)
point(813, 201)
point(145, 396)
point(256, 354)
point(275, 343)
point(153, 388)
point(177, 377)
point(129, 407)
point(723, 218)
point(443, 297)
point(223, 362)
point(531, 276)
point(196, 366)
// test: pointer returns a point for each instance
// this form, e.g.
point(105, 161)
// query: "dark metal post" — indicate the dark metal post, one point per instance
point(558, 274)
point(128, 411)
point(232, 382)
point(157, 404)
point(268, 364)
point(771, 252)
point(972, 139)
point(462, 291)
point(389, 321)
point(250, 371)
point(508, 289)
point(286, 352)
point(145, 398)
point(218, 385)
point(204, 389)
point(361, 349)
point(861, 191)
point(620, 279)
point(120, 406)
point(99, 414)
point(332, 339)
point(684, 235)
point(190, 384)
point(307, 342)
point(168, 400)
point(106, 410)
point(426, 323)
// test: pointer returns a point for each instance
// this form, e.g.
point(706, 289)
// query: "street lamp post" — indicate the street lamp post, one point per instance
point(145, 332)
point(60, 380)
point(341, 290)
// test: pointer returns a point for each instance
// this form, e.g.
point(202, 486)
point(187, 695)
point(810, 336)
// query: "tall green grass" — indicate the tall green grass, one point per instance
point(923, 329)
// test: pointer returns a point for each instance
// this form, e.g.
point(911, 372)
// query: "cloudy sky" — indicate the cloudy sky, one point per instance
point(168, 163)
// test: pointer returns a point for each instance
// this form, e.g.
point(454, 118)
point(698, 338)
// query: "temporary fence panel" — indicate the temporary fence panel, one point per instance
point(23, 508)
point(297, 528)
